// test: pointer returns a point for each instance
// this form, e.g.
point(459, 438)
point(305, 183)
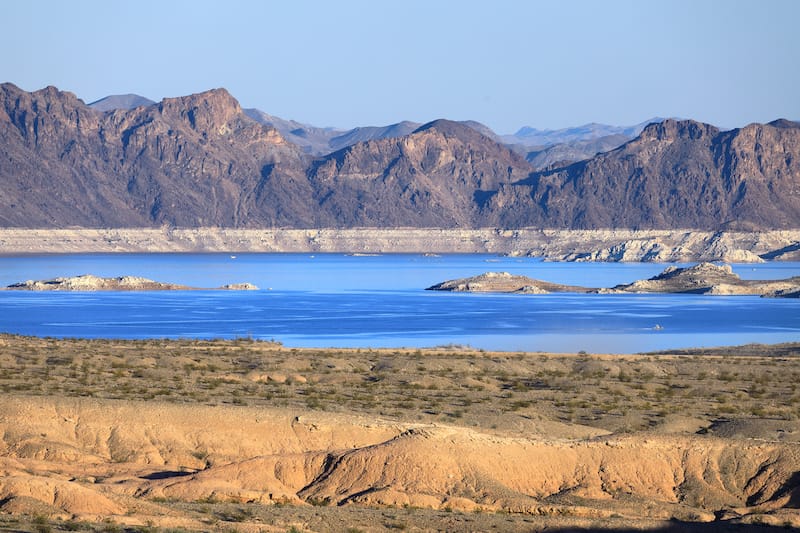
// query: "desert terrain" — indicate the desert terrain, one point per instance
point(242, 435)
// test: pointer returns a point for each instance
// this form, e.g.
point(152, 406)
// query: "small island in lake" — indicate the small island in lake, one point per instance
point(89, 282)
point(703, 278)
point(506, 283)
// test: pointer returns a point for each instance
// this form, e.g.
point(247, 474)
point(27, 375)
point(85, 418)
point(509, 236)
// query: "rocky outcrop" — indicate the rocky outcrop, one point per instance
point(89, 282)
point(240, 287)
point(707, 278)
point(503, 282)
point(786, 293)
point(703, 278)
point(719, 246)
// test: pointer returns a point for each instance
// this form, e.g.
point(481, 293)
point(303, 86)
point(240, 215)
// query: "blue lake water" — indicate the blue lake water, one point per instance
point(378, 301)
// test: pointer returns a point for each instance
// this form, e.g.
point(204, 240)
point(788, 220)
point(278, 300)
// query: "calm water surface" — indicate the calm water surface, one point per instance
point(379, 301)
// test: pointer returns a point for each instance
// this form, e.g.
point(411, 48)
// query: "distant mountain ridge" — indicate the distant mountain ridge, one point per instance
point(201, 160)
point(529, 136)
point(120, 101)
point(675, 172)
point(543, 147)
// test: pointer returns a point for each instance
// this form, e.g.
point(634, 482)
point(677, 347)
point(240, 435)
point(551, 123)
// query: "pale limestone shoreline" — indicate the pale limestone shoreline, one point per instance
point(555, 245)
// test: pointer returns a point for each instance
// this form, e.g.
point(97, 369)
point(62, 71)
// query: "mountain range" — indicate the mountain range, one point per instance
point(542, 148)
point(202, 160)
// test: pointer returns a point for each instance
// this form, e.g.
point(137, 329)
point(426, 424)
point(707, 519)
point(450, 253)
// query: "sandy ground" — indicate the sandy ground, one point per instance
point(250, 436)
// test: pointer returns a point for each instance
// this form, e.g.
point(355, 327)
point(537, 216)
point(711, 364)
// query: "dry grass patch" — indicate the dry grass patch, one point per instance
point(506, 392)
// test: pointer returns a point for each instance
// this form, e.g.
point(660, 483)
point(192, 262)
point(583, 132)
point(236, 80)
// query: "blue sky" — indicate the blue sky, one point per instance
point(546, 64)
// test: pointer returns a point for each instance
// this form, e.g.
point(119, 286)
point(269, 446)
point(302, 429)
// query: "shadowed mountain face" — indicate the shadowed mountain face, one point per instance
point(200, 160)
point(311, 139)
point(676, 174)
point(438, 176)
point(188, 161)
point(562, 154)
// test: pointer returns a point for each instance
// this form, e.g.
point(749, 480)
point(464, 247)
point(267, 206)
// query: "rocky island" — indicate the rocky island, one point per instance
point(504, 282)
point(89, 282)
point(708, 278)
point(703, 278)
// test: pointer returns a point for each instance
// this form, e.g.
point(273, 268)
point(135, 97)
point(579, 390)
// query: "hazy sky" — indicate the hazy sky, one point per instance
point(547, 64)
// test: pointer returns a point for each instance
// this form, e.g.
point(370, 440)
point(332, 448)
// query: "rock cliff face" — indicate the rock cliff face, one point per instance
point(438, 176)
point(675, 174)
point(185, 161)
point(201, 161)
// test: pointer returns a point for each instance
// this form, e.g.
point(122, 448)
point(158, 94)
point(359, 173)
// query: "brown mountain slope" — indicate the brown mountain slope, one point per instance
point(438, 176)
point(195, 160)
point(676, 174)
point(49, 140)
point(200, 161)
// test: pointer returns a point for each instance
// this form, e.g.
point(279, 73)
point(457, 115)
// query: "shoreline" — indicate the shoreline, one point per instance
point(605, 245)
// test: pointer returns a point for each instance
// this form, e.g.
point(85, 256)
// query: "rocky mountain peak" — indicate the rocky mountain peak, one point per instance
point(203, 111)
point(782, 123)
point(450, 128)
point(672, 129)
point(53, 94)
point(199, 160)
point(47, 112)
point(42, 100)
point(120, 101)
